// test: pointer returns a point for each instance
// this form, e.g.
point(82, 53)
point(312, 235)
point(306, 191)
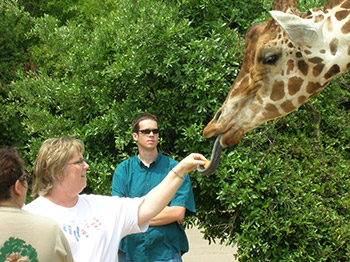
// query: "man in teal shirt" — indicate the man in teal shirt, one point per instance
point(165, 240)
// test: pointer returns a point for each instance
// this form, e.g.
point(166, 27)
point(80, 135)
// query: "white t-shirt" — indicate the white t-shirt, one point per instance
point(95, 225)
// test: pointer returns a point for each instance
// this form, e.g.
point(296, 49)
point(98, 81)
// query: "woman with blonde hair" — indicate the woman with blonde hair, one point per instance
point(94, 224)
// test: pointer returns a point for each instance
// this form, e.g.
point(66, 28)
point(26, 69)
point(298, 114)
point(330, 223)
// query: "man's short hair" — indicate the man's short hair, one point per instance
point(144, 116)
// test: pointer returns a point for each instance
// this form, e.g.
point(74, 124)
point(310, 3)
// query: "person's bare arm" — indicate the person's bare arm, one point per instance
point(169, 215)
point(157, 199)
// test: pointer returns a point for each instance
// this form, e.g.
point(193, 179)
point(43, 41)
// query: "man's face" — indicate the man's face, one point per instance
point(148, 134)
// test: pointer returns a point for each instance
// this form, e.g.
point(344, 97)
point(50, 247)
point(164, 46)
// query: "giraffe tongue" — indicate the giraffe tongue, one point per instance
point(215, 158)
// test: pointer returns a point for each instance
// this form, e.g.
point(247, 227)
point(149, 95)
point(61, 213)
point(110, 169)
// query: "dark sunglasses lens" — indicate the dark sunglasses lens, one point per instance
point(148, 131)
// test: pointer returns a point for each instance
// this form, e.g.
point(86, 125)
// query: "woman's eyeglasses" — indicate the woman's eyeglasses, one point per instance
point(79, 162)
point(148, 131)
point(25, 177)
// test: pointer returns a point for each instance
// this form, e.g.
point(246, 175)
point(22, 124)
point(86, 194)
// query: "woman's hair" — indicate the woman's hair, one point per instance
point(139, 118)
point(51, 162)
point(11, 169)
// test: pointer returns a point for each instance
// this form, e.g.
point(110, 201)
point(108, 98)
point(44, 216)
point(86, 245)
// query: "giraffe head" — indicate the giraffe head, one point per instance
point(287, 60)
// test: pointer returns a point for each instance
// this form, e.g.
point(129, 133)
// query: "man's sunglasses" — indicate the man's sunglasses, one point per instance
point(148, 131)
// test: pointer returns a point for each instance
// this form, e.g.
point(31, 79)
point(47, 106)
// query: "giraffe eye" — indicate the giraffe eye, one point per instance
point(270, 59)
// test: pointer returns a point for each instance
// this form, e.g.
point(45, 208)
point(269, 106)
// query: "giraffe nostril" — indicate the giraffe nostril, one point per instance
point(217, 116)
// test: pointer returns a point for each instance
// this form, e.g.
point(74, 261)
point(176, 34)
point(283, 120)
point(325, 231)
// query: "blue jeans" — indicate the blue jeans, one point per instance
point(176, 258)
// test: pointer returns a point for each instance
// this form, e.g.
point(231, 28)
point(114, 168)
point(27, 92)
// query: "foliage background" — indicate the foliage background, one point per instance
point(85, 68)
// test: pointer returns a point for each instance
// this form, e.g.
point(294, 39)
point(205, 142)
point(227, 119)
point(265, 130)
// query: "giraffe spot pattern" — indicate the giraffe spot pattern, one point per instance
point(287, 106)
point(313, 87)
point(303, 67)
point(329, 25)
point(254, 108)
point(316, 60)
point(290, 66)
point(346, 4)
point(271, 111)
point(294, 85)
point(340, 15)
point(333, 46)
point(332, 71)
point(318, 18)
point(277, 91)
point(301, 99)
point(317, 70)
point(345, 29)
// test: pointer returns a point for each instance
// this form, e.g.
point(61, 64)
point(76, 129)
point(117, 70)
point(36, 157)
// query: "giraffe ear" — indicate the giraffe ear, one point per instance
point(301, 31)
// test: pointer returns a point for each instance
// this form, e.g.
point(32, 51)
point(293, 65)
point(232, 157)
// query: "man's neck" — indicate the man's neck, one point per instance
point(148, 156)
point(11, 203)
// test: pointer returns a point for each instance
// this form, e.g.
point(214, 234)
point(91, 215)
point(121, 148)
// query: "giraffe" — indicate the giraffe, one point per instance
point(287, 60)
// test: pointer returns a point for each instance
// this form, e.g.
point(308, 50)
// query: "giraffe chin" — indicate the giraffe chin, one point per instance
point(231, 138)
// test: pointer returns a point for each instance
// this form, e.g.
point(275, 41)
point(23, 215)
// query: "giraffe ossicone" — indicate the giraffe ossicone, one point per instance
point(287, 60)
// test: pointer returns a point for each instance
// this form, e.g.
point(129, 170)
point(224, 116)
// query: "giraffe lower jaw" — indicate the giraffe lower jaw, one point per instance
point(231, 137)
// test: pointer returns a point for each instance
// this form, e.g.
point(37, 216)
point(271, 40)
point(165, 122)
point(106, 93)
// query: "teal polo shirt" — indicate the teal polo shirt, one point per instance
point(133, 179)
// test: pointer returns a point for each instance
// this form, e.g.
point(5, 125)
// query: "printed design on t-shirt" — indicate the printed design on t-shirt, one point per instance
point(74, 228)
point(16, 250)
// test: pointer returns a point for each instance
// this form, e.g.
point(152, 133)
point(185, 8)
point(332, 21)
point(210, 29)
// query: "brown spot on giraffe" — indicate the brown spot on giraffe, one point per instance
point(318, 18)
point(302, 99)
point(316, 60)
point(303, 67)
point(333, 46)
point(346, 4)
point(277, 92)
point(308, 52)
point(348, 50)
point(345, 29)
point(332, 71)
point(329, 25)
point(294, 85)
point(271, 111)
point(317, 70)
point(254, 108)
point(312, 87)
point(287, 106)
point(290, 66)
point(340, 15)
